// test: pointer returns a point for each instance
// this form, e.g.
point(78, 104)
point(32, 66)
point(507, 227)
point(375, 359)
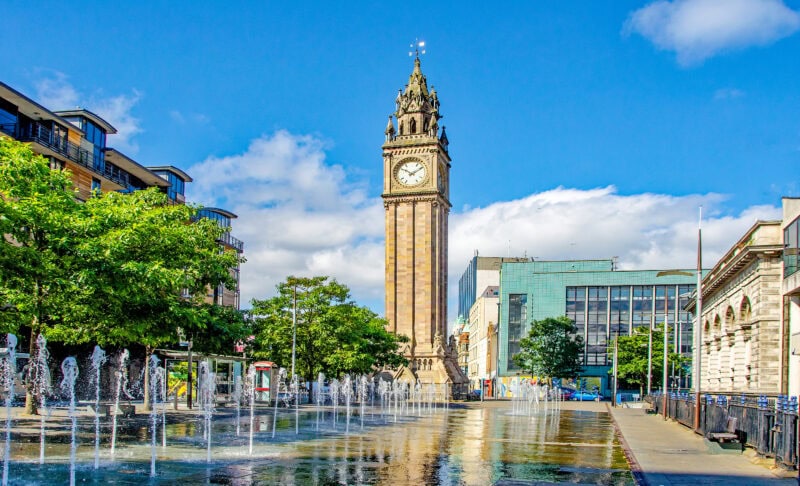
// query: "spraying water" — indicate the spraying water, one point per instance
point(296, 395)
point(69, 368)
point(251, 393)
point(122, 384)
point(153, 411)
point(41, 386)
point(98, 358)
point(237, 399)
point(281, 377)
point(319, 396)
point(9, 374)
point(162, 377)
point(207, 398)
point(348, 396)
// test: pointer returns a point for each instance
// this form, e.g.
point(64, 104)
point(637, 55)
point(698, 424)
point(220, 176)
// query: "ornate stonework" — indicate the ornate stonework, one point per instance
point(416, 189)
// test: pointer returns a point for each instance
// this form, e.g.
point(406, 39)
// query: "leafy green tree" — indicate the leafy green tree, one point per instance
point(334, 335)
point(552, 349)
point(632, 358)
point(38, 213)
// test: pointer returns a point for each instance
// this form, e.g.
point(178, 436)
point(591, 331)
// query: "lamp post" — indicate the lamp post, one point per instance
point(616, 348)
point(294, 325)
point(698, 330)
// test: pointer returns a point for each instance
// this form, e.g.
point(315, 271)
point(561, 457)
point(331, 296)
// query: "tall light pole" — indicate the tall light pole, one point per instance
point(294, 325)
point(698, 330)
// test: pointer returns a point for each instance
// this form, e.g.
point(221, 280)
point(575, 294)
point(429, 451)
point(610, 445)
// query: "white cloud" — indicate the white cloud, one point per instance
point(55, 92)
point(299, 215)
point(699, 29)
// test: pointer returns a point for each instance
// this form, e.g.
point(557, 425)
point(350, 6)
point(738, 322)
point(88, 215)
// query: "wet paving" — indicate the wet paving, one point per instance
point(471, 444)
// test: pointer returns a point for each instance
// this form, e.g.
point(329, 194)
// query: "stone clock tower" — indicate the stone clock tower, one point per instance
point(416, 189)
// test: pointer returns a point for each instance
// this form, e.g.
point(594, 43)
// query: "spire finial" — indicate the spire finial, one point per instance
point(418, 48)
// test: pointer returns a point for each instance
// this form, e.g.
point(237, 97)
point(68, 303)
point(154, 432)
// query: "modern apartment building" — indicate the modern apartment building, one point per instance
point(77, 140)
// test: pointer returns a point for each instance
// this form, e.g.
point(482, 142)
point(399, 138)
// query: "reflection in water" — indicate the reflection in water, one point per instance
point(469, 446)
point(472, 445)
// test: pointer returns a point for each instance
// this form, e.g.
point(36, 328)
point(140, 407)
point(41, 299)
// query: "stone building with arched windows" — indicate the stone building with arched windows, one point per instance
point(743, 345)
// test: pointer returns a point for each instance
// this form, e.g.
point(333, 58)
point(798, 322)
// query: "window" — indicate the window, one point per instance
point(96, 186)
point(596, 325)
point(576, 310)
point(791, 245)
point(517, 317)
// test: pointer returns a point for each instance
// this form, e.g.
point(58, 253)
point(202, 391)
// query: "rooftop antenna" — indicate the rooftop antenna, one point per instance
point(418, 47)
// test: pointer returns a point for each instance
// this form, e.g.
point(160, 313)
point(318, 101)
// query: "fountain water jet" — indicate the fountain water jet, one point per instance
point(237, 398)
point(69, 368)
point(41, 385)
point(154, 361)
point(251, 393)
point(98, 358)
point(122, 382)
point(281, 377)
point(9, 375)
point(207, 398)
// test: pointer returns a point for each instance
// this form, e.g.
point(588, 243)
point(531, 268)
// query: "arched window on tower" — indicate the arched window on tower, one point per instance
point(425, 126)
point(413, 125)
point(401, 128)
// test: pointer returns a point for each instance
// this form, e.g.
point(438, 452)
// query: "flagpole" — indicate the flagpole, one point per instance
point(698, 330)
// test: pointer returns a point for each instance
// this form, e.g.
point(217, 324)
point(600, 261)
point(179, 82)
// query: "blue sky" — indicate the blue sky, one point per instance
point(577, 129)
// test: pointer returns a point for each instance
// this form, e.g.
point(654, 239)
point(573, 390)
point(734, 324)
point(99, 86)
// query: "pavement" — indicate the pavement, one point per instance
point(666, 453)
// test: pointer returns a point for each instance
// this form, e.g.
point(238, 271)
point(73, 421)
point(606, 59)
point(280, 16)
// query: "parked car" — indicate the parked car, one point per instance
point(586, 396)
point(566, 393)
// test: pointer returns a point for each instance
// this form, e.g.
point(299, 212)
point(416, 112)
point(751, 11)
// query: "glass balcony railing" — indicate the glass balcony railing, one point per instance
point(42, 135)
point(229, 240)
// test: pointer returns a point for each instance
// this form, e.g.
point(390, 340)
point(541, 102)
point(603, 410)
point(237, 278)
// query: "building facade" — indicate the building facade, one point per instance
point(790, 287)
point(481, 272)
point(416, 189)
point(603, 303)
point(742, 347)
point(482, 326)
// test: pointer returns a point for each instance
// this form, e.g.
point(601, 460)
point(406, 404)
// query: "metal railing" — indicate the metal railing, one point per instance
point(42, 135)
point(767, 424)
point(231, 241)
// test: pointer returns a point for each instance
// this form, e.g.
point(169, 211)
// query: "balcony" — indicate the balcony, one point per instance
point(42, 135)
point(228, 240)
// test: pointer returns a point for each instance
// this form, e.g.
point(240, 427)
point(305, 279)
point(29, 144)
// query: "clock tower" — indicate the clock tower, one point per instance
point(416, 189)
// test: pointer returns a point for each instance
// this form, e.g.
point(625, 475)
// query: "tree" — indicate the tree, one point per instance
point(551, 349)
point(118, 269)
point(38, 212)
point(334, 335)
point(632, 358)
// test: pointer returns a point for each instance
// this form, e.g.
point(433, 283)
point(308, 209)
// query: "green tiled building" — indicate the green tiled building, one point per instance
point(601, 300)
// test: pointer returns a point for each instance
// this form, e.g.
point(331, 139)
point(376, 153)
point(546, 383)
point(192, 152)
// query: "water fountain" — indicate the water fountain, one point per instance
point(237, 399)
point(319, 397)
point(251, 394)
point(98, 358)
point(122, 382)
point(69, 370)
point(9, 375)
point(208, 390)
point(281, 377)
point(154, 362)
point(41, 387)
point(347, 391)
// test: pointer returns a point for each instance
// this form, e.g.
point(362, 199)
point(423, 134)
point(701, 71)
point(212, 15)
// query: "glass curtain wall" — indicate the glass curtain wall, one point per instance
point(517, 319)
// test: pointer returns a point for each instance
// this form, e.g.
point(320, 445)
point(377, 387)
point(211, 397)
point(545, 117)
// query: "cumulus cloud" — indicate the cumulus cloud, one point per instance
point(299, 214)
point(699, 29)
point(55, 92)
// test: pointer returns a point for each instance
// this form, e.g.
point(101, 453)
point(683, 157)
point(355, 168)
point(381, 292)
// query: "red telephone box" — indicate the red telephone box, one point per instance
point(263, 380)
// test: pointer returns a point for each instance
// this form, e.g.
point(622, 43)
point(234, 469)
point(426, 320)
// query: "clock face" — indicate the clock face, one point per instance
point(411, 173)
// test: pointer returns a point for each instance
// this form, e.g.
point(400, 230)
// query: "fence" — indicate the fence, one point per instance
point(767, 424)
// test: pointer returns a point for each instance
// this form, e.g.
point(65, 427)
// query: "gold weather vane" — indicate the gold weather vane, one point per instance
point(418, 47)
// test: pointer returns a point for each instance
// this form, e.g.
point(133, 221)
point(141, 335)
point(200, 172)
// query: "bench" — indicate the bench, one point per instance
point(728, 435)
